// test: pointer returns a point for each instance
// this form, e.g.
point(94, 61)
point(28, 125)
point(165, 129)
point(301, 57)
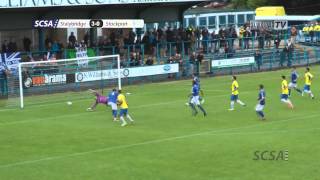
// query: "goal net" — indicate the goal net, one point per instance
point(47, 82)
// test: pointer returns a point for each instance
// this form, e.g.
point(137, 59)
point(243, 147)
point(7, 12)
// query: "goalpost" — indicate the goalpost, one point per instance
point(40, 78)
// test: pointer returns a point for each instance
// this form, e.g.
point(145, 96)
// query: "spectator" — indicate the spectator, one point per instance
point(12, 46)
point(135, 59)
point(247, 36)
point(26, 44)
point(45, 56)
point(261, 37)
point(268, 38)
point(55, 47)
point(5, 47)
point(162, 45)
point(290, 49)
point(47, 41)
point(171, 60)
point(192, 61)
point(222, 39)
point(205, 38)
point(214, 42)
point(198, 34)
point(258, 59)
point(132, 37)
point(311, 32)
point(277, 41)
point(241, 36)
point(198, 62)
point(149, 61)
point(233, 36)
point(86, 38)
point(293, 34)
point(72, 38)
point(71, 45)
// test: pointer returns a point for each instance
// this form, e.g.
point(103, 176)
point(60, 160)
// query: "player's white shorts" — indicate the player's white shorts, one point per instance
point(259, 107)
point(113, 105)
point(195, 100)
point(293, 85)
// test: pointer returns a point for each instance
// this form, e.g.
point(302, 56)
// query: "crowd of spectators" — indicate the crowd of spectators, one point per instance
point(161, 45)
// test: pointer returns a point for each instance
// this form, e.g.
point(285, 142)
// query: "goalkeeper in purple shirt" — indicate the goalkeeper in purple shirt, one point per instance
point(99, 100)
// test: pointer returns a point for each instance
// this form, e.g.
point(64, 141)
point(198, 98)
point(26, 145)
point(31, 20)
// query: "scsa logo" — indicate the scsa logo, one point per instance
point(45, 23)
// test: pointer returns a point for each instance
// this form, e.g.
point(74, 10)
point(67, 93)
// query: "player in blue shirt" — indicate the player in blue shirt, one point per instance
point(261, 102)
point(195, 99)
point(112, 97)
point(294, 80)
point(197, 81)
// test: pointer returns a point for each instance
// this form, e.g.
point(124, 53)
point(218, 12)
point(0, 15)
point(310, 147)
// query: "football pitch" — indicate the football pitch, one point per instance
point(57, 141)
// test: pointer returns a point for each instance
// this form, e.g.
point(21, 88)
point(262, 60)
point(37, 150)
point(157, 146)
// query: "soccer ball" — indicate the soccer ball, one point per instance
point(69, 103)
point(28, 82)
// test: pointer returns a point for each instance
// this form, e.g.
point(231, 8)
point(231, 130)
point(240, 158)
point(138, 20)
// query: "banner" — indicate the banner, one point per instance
point(88, 23)
point(71, 53)
point(127, 72)
point(82, 54)
point(261, 25)
point(11, 60)
point(46, 79)
point(280, 25)
point(55, 79)
point(270, 25)
point(232, 62)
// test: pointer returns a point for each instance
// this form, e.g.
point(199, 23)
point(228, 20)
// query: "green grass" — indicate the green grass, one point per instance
point(56, 141)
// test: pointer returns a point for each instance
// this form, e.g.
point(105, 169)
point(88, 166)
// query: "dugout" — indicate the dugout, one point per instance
point(17, 21)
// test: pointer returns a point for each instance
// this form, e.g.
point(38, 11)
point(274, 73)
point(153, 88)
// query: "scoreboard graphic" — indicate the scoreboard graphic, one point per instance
point(88, 23)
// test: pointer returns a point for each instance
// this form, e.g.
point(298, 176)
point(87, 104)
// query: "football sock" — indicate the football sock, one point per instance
point(298, 90)
point(311, 95)
point(122, 120)
point(194, 110)
point(260, 113)
point(232, 105)
point(240, 102)
point(202, 109)
point(129, 117)
point(114, 113)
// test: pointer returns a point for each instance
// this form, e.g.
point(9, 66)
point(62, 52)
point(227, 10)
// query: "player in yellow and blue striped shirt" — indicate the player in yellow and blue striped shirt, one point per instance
point(122, 102)
point(308, 81)
point(285, 92)
point(235, 94)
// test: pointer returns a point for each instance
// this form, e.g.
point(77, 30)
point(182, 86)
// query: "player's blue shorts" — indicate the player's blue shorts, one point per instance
point(284, 96)
point(234, 97)
point(123, 112)
point(306, 87)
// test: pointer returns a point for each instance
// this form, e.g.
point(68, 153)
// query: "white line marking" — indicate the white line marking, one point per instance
point(212, 132)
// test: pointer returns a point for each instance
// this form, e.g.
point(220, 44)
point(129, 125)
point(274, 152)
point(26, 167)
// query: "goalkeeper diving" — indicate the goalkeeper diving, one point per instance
point(100, 99)
point(110, 100)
